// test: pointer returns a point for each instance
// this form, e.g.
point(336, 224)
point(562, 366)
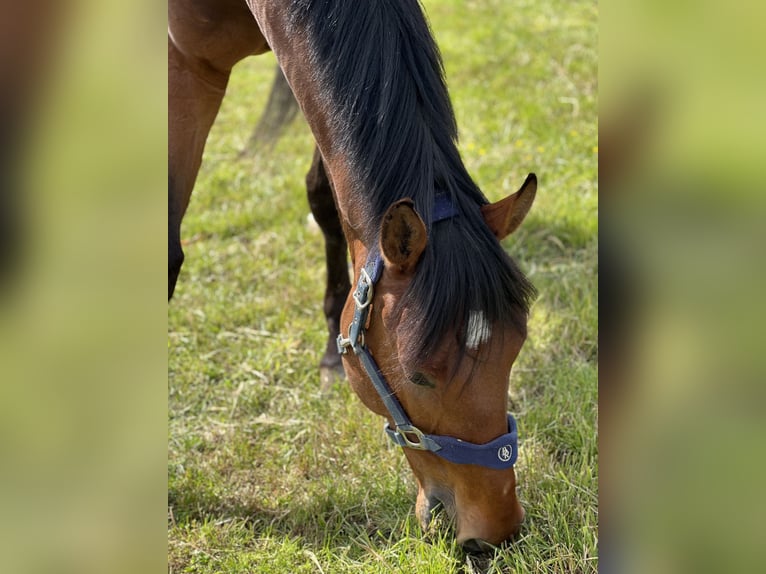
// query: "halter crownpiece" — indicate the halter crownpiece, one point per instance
point(500, 453)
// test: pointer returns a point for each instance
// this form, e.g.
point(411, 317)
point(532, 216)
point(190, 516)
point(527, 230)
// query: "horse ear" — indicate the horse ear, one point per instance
point(504, 216)
point(403, 236)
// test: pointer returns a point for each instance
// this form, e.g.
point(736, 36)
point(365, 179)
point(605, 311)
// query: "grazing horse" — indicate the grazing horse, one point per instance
point(438, 314)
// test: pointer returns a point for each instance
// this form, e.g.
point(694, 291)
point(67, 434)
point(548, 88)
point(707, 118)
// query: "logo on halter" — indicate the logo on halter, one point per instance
point(504, 453)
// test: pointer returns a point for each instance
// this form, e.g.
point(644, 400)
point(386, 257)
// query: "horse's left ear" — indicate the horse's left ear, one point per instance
point(403, 236)
point(504, 216)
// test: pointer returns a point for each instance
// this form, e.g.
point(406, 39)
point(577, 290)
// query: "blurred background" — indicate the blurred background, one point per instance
point(682, 136)
point(83, 119)
point(82, 280)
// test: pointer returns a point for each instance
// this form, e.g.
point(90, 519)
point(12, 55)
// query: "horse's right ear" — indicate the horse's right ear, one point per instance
point(403, 237)
point(504, 216)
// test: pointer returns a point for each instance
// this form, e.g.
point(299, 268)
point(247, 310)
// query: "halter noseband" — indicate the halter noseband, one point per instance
point(500, 453)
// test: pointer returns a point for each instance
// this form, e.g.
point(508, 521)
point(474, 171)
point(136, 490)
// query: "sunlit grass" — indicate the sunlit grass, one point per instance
point(267, 475)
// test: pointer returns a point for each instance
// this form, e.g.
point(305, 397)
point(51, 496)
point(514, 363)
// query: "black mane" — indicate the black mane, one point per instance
point(382, 74)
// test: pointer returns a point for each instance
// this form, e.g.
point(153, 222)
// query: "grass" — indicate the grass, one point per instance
point(267, 475)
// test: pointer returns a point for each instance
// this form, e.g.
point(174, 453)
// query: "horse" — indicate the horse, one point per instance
point(438, 312)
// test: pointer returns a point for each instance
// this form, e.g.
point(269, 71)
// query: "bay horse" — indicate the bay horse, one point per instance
point(438, 315)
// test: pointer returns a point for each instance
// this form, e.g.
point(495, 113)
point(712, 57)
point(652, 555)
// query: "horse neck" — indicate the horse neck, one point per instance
point(297, 57)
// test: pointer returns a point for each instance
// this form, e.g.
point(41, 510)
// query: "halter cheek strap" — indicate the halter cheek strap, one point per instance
point(500, 453)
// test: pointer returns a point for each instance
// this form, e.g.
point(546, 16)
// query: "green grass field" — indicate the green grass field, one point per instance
point(267, 475)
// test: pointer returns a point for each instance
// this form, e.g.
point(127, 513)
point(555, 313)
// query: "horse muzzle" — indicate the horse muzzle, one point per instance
point(480, 529)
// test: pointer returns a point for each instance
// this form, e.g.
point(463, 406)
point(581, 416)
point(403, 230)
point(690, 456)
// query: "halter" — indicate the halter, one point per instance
point(500, 453)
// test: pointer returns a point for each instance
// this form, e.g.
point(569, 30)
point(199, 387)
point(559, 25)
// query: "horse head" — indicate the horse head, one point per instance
point(454, 397)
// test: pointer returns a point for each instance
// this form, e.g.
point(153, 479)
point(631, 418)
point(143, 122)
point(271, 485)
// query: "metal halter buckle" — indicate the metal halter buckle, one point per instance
point(405, 430)
point(364, 281)
point(362, 296)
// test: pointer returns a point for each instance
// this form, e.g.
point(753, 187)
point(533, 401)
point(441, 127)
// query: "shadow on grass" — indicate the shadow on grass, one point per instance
point(350, 521)
point(347, 517)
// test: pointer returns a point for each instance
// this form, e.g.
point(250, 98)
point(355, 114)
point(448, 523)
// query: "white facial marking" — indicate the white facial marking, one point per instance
point(478, 331)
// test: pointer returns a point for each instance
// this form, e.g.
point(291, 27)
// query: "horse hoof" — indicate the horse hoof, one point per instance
point(329, 375)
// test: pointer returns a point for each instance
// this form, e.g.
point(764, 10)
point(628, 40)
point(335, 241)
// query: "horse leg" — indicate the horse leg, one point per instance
point(322, 202)
point(195, 93)
point(175, 251)
point(205, 39)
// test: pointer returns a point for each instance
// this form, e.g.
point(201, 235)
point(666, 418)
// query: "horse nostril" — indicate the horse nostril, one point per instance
point(477, 546)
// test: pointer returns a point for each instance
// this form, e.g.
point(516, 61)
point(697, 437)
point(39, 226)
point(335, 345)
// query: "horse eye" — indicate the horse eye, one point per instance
point(421, 379)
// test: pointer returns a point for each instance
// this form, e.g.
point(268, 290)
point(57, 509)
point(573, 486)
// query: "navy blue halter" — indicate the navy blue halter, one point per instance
point(500, 453)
